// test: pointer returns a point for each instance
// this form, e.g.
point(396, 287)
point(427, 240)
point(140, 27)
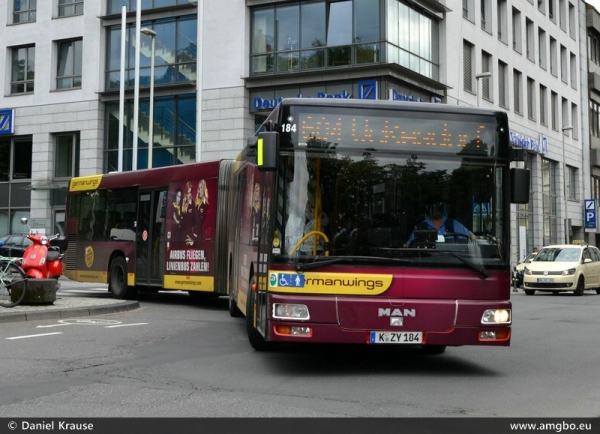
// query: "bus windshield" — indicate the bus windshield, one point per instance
point(384, 204)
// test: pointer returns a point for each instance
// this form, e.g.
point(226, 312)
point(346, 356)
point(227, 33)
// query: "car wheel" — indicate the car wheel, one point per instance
point(580, 287)
point(529, 291)
point(598, 291)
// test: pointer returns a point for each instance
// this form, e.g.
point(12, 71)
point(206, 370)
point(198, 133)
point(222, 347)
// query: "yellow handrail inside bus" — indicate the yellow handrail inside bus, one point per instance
point(305, 237)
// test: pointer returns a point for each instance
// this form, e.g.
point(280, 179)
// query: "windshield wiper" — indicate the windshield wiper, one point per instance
point(321, 261)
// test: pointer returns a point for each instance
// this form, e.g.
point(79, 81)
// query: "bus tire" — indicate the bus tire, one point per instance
point(118, 279)
point(257, 340)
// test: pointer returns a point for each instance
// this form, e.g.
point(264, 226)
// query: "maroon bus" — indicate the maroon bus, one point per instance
point(341, 221)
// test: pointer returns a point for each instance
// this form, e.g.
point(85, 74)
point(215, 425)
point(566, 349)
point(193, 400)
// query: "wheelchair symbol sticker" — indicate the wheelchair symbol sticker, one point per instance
point(283, 280)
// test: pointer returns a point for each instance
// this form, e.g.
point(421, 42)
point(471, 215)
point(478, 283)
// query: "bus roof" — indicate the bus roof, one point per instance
point(390, 105)
point(147, 177)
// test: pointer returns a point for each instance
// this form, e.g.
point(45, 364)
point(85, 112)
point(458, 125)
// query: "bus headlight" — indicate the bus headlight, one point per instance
point(290, 311)
point(496, 316)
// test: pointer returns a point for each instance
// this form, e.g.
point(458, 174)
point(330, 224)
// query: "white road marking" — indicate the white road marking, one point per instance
point(35, 336)
point(126, 325)
point(52, 325)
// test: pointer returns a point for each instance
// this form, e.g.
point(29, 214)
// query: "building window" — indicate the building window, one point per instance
point(554, 108)
point(573, 64)
point(486, 15)
point(529, 29)
point(502, 31)
point(594, 118)
point(516, 30)
point(66, 157)
point(574, 121)
point(551, 10)
point(67, 8)
point(68, 74)
point(542, 6)
point(543, 105)
point(15, 175)
point(572, 28)
point(175, 118)
point(468, 66)
point(562, 15)
point(563, 64)
point(502, 85)
point(571, 183)
point(313, 35)
point(553, 57)
point(24, 11)
point(175, 53)
point(468, 12)
point(550, 196)
point(542, 48)
point(517, 77)
point(531, 99)
point(114, 6)
point(486, 65)
point(23, 70)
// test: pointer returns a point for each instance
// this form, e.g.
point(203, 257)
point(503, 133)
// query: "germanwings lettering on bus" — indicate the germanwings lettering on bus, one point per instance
point(368, 284)
point(85, 183)
point(330, 283)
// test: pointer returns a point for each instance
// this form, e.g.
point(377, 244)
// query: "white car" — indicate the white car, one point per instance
point(565, 267)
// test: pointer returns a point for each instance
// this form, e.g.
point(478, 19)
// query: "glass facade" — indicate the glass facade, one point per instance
point(174, 132)
point(312, 35)
point(174, 117)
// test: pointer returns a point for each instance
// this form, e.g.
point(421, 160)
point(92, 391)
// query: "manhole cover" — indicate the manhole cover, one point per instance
point(89, 321)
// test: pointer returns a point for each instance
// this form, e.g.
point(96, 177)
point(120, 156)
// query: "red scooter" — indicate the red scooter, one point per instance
point(41, 260)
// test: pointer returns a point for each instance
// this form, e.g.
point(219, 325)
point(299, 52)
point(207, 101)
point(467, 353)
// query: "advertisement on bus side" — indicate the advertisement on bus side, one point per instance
point(190, 231)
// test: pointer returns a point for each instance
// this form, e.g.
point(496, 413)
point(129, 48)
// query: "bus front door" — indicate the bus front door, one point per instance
point(149, 239)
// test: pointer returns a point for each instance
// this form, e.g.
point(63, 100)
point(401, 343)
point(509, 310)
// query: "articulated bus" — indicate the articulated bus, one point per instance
point(341, 221)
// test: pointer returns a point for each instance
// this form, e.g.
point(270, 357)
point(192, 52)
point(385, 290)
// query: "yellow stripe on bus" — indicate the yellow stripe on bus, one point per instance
point(189, 283)
point(84, 183)
point(329, 283)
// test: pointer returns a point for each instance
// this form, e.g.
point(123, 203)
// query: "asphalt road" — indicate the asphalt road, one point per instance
point(175, 358)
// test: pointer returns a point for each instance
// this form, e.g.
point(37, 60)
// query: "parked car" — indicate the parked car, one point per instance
point(518, 271)
point(14, 245)
point(564, 267)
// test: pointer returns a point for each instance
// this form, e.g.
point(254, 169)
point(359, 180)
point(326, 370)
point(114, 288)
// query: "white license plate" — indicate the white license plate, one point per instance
point(545, 280)
point(396, 337)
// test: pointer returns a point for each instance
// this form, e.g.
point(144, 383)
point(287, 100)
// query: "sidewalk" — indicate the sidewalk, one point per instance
point(66, 307)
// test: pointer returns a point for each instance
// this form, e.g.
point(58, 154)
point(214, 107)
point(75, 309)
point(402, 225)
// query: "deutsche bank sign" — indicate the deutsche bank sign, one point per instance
point(7, 121)
point(590, 212)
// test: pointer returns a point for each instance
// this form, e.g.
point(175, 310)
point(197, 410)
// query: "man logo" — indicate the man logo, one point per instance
point(396, 312)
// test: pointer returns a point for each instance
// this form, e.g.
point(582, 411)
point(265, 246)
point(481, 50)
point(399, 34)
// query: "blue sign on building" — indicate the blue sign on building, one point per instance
point(7, 121)
point(590, 212)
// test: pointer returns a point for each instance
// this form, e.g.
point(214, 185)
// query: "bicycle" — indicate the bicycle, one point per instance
point(13, 282)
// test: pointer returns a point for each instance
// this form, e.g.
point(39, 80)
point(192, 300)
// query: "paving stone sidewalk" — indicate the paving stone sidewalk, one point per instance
point(66, 307)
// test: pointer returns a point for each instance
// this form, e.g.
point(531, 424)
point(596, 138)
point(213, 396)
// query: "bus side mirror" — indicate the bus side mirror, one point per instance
point(267, 151)
point(519, 185)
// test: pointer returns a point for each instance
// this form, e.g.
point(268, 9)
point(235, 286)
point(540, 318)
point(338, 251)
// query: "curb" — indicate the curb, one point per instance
point(69, 312)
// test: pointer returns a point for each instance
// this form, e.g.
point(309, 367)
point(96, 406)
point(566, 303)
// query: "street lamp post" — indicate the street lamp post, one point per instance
point(152, 34)
point(564, 164)
point(486, 74)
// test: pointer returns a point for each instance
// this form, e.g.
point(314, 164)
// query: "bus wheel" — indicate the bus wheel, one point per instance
point(432, 350)
point(257, 341)
point(118, 278)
